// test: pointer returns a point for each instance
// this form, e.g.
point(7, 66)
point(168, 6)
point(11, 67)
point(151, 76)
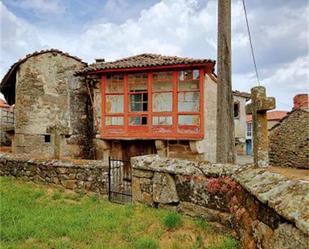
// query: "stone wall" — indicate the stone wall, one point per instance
point(82, 175)
point(51, 107)
point(265, 209)
point(289, 141)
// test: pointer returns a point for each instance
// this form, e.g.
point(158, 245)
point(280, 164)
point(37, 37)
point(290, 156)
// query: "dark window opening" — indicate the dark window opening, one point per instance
point(184, 142)
point(236, 110)
point(47, 138)
point(138, 121)
point(139, 102)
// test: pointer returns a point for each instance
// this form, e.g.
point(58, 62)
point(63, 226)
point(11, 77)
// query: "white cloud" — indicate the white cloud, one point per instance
point(184, 28)
point(17, 38)
point(2, 97)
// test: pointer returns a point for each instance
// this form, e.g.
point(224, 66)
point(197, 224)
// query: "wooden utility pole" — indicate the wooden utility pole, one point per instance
point(225, 121)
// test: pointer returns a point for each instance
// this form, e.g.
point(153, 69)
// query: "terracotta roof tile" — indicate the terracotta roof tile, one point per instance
point(143, 60)
point(3, 104)
point(274, 115)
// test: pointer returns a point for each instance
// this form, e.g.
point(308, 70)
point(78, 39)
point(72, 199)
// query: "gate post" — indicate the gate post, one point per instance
point(109, 178)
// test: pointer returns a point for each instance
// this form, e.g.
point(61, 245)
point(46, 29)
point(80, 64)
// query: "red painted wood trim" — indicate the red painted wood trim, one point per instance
point(103, 101)
point(149, 101)
point(202, 88)
point(175, 101)
point(126, 102)
point(138, 136)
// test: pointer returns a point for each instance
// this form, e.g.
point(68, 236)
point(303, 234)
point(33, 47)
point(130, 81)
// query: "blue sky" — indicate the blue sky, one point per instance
point(112, 29)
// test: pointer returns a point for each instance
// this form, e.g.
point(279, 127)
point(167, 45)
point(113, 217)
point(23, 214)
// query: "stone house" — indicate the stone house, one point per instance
point(50, 105)
point(273, 118)
point(149, 103)
point(240, 100)
point(289, 139)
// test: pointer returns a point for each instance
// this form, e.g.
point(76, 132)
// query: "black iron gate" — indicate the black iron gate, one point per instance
point(119, 181)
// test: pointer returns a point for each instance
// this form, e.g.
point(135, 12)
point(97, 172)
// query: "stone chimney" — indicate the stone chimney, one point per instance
point(100, 60)
point(300, 101)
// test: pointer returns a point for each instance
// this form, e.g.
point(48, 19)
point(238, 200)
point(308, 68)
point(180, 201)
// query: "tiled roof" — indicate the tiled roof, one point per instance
point(14, 67)
point(274, 115)
point(3, 104)
point(142, 61)
point(242, 94)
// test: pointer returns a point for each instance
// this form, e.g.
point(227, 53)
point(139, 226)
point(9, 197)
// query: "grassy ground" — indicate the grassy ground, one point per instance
point(38, 216)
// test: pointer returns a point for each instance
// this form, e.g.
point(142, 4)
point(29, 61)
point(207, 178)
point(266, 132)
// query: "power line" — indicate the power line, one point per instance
point(251, 44)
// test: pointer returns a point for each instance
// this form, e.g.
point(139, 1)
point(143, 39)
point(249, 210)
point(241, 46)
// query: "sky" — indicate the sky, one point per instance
point(113, 29)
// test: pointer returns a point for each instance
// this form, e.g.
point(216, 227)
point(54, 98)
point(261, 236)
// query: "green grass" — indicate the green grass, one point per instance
point(40, 216)
point(203, 224)
point(172, 220)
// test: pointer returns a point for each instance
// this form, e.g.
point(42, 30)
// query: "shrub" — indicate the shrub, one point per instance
point(146, 243)
point(172, 220)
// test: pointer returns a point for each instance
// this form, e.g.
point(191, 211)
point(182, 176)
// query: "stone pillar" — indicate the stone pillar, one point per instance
point(258, 108)
point(161, 147)
point(225, 121)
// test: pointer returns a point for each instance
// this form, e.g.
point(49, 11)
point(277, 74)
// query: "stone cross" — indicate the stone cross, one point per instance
point(258, 107)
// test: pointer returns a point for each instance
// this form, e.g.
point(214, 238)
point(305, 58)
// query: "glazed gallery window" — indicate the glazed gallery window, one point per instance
point(138, 98)
point(162, 98)
point(114, 99)
point(188, 97)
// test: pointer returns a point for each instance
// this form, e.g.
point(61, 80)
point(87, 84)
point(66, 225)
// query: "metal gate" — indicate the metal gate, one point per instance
point(119, 181)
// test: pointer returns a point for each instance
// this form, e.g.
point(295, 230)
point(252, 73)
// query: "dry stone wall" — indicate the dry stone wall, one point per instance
point(265, 209)
point(289, 141)
point(82, 175)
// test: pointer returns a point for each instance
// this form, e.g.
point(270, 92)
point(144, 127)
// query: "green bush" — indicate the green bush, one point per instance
point(172, 220)
point(146, 243)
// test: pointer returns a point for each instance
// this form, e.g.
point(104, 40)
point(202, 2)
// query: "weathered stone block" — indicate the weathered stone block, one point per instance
point(142, 173)
point(164, 188)
point(288, 237)
point(136, 190)
point(207, 213)
point(69, 184)
point(263, 235)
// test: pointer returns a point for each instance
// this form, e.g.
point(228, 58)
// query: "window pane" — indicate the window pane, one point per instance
point(138, 121)
point(163, 81)
point(189, 80)
point(114, 103)
point(162, 102)
point(188, 101)
point(139, 102)
point(137, 82)
point(196, 74)
point(236, 110)
point(114, 83)
point(114, 121)
point(162, 120)
point(188, 120)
